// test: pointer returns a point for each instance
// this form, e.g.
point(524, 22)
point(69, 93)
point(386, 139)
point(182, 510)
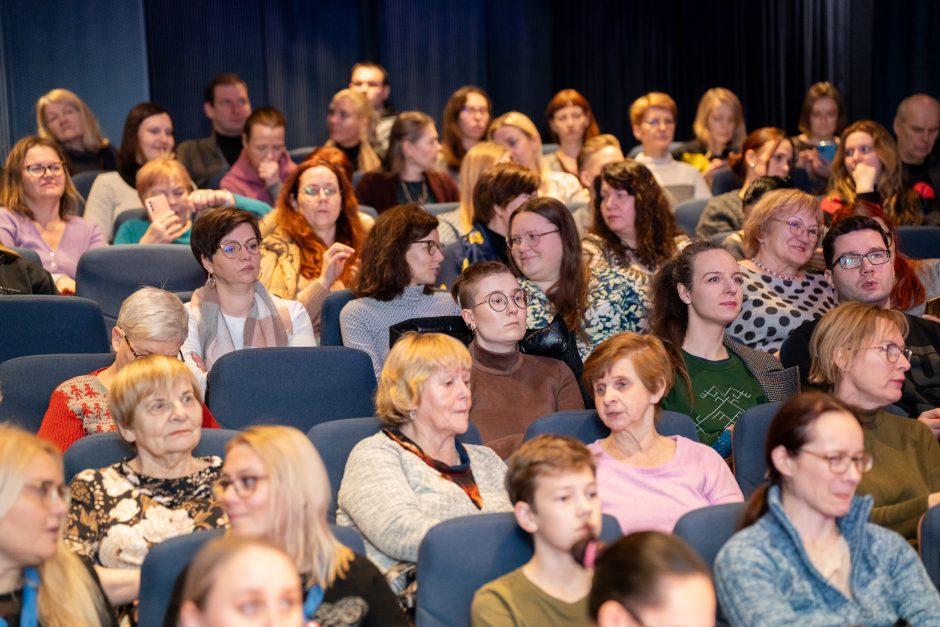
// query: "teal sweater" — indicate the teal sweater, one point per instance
point(132, 231)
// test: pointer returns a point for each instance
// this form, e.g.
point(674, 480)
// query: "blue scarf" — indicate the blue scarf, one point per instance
point(29, 612)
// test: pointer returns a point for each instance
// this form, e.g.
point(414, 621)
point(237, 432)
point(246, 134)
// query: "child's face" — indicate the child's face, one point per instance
point(566, 509)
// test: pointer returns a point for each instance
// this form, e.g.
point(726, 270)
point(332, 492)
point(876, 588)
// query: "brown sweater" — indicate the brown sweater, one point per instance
point(511, 391)
point(379, 190)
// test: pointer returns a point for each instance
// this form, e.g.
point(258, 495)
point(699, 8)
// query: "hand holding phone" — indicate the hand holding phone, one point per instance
point(157, 206)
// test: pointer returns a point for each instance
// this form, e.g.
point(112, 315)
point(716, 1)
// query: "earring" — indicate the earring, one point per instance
point(411, 414)
point(473, 327)
point(751, 164)
point(211, 280)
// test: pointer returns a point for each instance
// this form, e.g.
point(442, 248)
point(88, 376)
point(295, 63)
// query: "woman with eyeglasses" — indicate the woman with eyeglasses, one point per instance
point(312, 245)
point(806, 553)
point(41, 581)
point(465, 121)
point(39, 207)
point(120, 511)
point(151, 322)
point(408, 173)
point(859, 350)
point(780, 237)
point(594, 302)
point(397, 271)
point(512, 390)
point(233, 310)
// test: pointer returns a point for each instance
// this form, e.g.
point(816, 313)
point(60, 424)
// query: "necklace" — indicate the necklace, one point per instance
point(785, 277)
point(422, 196)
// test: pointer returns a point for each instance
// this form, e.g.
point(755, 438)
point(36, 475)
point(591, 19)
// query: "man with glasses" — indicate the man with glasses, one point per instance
point(371, 80)
point(860, 267)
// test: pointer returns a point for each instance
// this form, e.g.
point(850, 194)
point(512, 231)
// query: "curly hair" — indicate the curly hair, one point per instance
point(654, 222)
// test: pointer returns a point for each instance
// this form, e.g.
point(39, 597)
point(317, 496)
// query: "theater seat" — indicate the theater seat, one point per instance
point(437, 208)
point(330, 333)
point(928, 539)
point(688, 214)
point(586, 425)
point(40, 325)
point(747, 445)
point(707, 529)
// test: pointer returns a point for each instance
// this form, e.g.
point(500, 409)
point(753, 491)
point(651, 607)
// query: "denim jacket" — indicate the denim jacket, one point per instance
point(763, 576)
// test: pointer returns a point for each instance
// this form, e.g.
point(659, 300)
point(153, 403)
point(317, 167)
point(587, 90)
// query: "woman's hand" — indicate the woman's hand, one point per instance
point(811, 161)
point(199, 362)
point(334, 260)
point(865, 177)
point(165, 229)
point(269, 170)
point(203, 199)
point(65, 285)
point(931, 418)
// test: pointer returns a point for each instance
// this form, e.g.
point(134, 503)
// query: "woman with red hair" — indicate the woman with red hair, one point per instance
point(572, 122)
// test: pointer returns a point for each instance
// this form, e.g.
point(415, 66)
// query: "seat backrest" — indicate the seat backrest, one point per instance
point(928, 539)
point(725, 180)
point(459, 555)
point(437, 208)
point(586, 425)
point(688, 214)
point(298, 155)
point(128, 214)
point(40, 325)
point(919, 242)
point(103, 449)
point(110, 274)
point(369, 211)
point(330, 334)
point(29, 253)
point(295, 386)
point(26, 383)
point(707, 529)
point(334, 440)
point(747, 445)
point(84, 180)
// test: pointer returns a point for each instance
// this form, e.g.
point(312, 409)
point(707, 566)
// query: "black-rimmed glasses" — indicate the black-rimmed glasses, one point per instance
point(244, 486)
point(38, 170)
point(499, 301)
point(431, 246)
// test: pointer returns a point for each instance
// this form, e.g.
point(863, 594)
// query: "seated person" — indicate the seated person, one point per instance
point(65, 118)
point(859, 350)
point(695, 296)
point(151, 322)
point(513, 390)
point(408, 174)
point(414, 474)
point(719, 133)
point(595, 154)
point(806, 553)
point(670, 476)
point(39, 210)
point(734, 241)
point(398, 267)
point(350, 125)
point(233, 310)
point(118, 512)
point(571, 121)
point(822, 118)
point(651, 578)
point(165, 176)
point(478, 160)
point(464, 123)
point(553, 490)
point(264, 163)
point(35, 502)
point(19, 275)
point(234, 579)
point(653, 117)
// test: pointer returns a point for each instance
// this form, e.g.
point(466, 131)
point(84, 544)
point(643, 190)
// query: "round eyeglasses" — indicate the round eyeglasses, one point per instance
point(499, 301)
point(839, 463)
point(850, 261)
point(798, 228)
point(232, 249)
point(892, 351)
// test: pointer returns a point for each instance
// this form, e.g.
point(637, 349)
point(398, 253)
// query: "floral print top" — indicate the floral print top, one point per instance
point(116, 514)
point(615, 304)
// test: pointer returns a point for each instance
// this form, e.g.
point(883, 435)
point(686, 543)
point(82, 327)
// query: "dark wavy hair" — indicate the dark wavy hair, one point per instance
point(384, 273)
point(654, 221)
point(451, 139)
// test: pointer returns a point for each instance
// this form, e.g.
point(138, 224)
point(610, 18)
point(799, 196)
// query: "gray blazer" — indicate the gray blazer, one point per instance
point(777, 382)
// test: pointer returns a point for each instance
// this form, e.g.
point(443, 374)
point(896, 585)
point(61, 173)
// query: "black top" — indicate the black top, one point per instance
point(22, 276)
point(84, 161)
point(231, 147)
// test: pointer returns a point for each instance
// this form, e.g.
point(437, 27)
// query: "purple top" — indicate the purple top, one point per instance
point(79, 235)
point(643, 499)
point(243, 179)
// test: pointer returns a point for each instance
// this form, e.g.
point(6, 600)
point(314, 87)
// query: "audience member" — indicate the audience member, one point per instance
point(148, 134)
point(233, 310)
point(734, 241)
point(398, 266)
point(653, 117)
point(464, 124)
point(651, 578)
point(350, 123)
point(571, 122)
point(408, 175)
point(916, 125)
point(552, 486)
point(237, 581)
point(41, 581)
point(151, 322)
point(264, 163)
point(371, 80)
point(719, 132)
point(165, 176)
point(594, 302)
point(765, 152)
point(595, 154)
point(280, 492)
point(857, 253)
point(513, 390)
point(414, 474)
point(483, 155)
point(867, 167)
point(315, 237)
point(38, 207)
point(64, 118)
point(19, 275)
point(780, 236)
point(227, 106)
point(517, 132)
point(822, 118)
point(629, 374)
point(859, 350)
point(807, 553)
point(118, 512)
point(695, 296)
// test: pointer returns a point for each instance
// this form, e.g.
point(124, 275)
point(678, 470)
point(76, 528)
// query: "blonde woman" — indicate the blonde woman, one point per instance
point(517, 132)
point(39, 576)
point(65, 119)
point(719, 131)
point(458, 222)
point(351, 125)
point(274, 486)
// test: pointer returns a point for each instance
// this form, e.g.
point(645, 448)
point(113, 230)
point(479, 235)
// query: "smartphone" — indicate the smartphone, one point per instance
point(932, 308)
point(827, 150)
point(157, 206)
